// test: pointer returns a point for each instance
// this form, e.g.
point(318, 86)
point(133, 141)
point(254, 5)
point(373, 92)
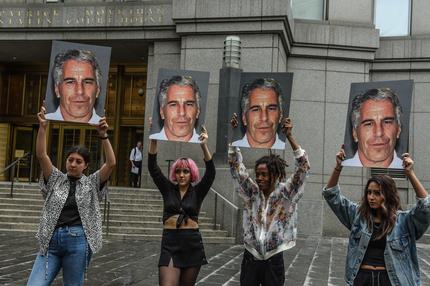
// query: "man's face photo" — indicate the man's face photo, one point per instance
point(77, 82)
point(179, 112)
point(77, 90)
point(262, 117)
point(377, 133)
point(263, 103)
point(180, 105)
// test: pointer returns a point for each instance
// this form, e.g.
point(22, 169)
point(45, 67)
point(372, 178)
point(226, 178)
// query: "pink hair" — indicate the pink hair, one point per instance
point(185, 163)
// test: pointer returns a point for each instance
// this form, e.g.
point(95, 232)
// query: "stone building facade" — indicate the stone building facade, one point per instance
point(326, 55)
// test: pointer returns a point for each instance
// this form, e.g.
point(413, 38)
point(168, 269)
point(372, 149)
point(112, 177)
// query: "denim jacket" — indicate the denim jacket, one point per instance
point(400, 253)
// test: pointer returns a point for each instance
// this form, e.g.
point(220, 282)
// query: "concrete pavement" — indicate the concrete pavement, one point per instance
point(314, 261)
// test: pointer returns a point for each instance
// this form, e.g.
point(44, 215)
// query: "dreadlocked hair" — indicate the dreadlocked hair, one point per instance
point(275, 164)
point(389, 207)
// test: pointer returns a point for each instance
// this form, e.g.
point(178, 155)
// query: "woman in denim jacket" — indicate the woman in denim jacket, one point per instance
point(381, 248)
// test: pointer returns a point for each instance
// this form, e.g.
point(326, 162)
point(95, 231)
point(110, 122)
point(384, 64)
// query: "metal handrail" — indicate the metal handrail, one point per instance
point(15, 162)
point(106, 213)
point(12, 166)
point(225, 199)
point(230, 204)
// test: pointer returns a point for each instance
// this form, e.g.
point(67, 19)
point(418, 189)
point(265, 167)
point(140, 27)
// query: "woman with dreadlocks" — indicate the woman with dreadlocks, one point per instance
point(381, 249)
point(269, 219)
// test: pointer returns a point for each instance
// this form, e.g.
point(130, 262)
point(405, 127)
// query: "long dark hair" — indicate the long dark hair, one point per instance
point(388, 208)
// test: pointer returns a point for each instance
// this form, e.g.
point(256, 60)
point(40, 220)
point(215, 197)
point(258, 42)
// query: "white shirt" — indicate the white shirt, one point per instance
point(58, 116)
point(279, 144)
point(162, 136)
point(397, 162)
point(136, 155)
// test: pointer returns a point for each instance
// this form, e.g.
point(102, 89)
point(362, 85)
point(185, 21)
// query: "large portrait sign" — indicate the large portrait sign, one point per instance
point(77, 82)
point(263, 102)
point(179, 105)
point(377, 127)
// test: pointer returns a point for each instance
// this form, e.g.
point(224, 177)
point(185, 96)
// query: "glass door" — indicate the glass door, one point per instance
point(22, 144)
point(64, 137)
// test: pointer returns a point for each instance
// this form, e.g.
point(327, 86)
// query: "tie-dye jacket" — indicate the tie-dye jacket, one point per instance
point(271, 227)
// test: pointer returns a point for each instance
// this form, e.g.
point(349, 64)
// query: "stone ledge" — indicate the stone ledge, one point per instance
point(346, 35)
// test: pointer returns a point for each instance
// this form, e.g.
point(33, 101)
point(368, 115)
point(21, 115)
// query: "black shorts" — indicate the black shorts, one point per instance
point(372, 277)
point(183, 246)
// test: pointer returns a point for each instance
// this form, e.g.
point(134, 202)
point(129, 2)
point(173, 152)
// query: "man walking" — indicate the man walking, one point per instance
point(136, 165)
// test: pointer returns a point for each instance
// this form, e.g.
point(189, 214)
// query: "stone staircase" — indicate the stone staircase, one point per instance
point(134, 213)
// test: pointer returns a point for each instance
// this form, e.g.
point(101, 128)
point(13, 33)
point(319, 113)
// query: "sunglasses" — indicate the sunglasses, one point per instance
point(185, 171)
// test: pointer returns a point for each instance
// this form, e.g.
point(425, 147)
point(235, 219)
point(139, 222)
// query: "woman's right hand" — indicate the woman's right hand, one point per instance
point(234, 121)
point(203, 137)
point(340, 156)
point(43, 122)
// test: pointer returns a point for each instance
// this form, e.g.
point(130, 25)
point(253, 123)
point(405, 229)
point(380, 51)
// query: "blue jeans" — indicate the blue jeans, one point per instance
point(68, 249)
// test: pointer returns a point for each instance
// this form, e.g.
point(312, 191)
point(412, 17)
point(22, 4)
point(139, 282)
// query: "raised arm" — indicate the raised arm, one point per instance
point(210, 171)
point(420, 214)
point(408, 163)
point(245, 187)
point(204, 144)
point(334, 178)
point(343, 208)
point(41, 153)
point(294, 186)
point(287, 128)
point(110, 160)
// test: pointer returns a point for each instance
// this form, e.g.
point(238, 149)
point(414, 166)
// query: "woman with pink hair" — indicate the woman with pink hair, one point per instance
point(182, 253)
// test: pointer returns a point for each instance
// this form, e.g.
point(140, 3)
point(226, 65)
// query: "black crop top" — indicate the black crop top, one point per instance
point(189, 206)
point(375, 250)
point(70, 214)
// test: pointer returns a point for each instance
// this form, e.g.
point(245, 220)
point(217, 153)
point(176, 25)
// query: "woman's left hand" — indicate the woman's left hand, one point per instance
point(102, 127)
point(203, 137)
point(408, 163)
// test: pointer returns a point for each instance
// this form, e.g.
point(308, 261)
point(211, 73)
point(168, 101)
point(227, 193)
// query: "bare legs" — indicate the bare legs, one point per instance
point(173, 276)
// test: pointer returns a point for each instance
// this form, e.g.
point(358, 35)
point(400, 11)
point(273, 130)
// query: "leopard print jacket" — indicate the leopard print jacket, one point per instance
point(89, 192)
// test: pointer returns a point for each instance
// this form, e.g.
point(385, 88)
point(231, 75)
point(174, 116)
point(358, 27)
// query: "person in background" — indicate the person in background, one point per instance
point(136, 165)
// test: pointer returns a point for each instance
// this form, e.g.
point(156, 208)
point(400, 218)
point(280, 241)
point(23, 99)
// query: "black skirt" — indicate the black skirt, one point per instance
point(183, 246)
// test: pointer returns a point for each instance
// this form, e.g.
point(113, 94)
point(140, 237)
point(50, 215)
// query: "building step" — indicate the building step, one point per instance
point(15, 206)
point(206, 239)
point(11, 219)
point(20, 212)
point(152, 224)
point(134, 213)
point(112, 229)
point(146, 237)
point(19, 185)
point(33, 215)
point(22, 201)
point(158, 231)
point(425, 239)
point(135, 205)
point(156, 218)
